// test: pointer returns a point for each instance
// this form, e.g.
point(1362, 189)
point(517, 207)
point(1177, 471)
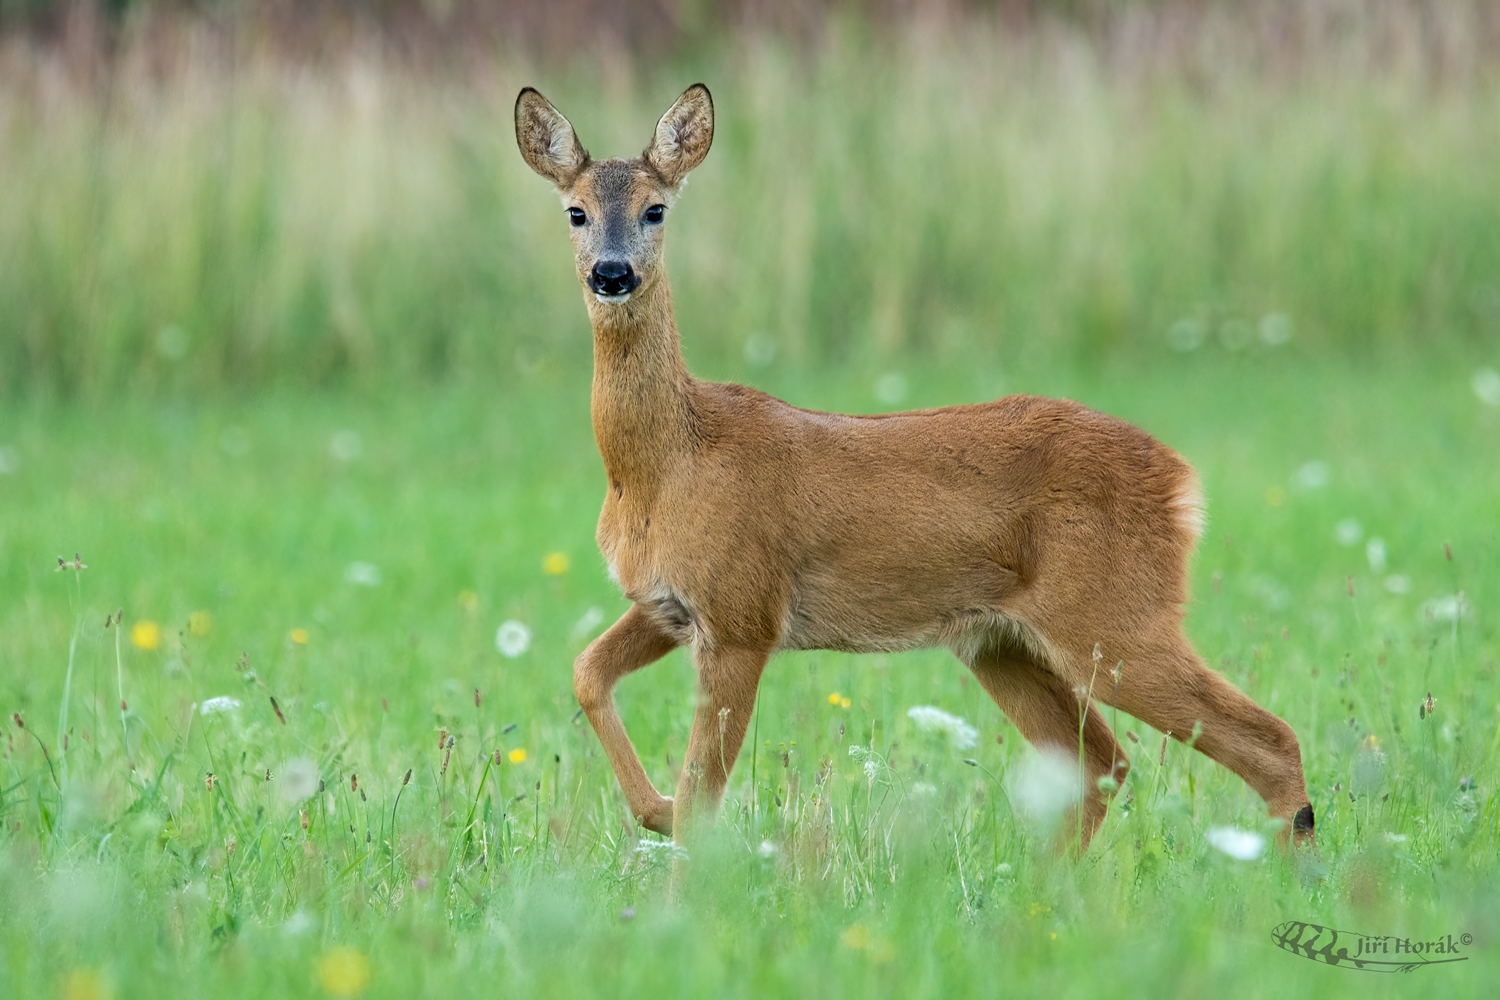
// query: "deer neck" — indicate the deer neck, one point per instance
point(640, 404)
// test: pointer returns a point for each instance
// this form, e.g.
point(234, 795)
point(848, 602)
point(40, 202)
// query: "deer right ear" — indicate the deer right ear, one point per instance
point(548, 143)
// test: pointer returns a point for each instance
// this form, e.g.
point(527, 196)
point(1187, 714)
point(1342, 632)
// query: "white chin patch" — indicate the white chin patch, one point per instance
point(613, 300)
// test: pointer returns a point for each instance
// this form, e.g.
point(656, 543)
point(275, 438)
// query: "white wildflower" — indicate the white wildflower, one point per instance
point(1444, 609)
point(1312, 475)
point(660, 850)
point(219, 705)
point(1240, 844)
point(1487, 386)
point(345, 446)
point(873, 764)
point(297, 779)
point(1348, 531)
point(1375, 553)
point(1043, 785)
point(1186, 335)
point(585, 625)
point(1275, 329)
point(512, 638)
point(934, 720)
point(362, 574)
point(767, 849)
point(297, 923)
point(890, 388)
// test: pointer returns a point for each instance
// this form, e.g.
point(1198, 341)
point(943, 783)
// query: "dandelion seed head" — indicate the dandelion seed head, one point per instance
point(512, 639)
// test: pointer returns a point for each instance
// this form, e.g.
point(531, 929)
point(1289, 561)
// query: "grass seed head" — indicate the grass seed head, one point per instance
point(406, 779)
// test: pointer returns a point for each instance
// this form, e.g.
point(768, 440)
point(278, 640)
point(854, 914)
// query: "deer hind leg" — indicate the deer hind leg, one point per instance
point(629, 644)
point(1047, 710)
point(727, 681)
point(1167, 686)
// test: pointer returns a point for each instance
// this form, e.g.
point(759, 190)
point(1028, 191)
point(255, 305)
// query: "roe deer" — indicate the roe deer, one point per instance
point(1030, 536)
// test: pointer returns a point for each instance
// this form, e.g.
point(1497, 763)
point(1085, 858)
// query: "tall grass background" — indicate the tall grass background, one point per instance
point(192, 206)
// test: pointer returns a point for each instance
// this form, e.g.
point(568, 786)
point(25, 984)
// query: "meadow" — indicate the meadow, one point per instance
point(298, 488)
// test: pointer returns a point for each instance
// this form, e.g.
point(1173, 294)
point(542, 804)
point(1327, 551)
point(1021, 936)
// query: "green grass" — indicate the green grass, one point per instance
point(121, 880)
point(261, 322)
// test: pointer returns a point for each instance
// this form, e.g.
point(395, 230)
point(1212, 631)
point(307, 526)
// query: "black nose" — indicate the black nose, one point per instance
point(614, 277)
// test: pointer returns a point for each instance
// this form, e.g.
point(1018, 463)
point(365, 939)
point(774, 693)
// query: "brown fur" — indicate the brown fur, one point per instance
point(1033, 537)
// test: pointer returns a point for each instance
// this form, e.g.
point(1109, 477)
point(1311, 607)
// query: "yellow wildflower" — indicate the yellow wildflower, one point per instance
point(833, 699)
point(518, 755)
point(85, 984)
point(344, 972)
point(555, 564)
point(145, 634)
point(856, 937)
point(299, 636)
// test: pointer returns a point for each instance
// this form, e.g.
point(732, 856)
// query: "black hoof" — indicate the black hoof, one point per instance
point(1303, 821)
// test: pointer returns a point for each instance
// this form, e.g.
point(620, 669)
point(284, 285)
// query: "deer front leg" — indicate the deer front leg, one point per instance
point(629, 644)
point(727, 682)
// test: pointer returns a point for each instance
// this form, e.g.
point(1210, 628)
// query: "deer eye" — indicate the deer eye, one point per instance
point(576, 216)
point(655, 214)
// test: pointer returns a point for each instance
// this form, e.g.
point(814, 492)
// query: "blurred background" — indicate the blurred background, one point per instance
point(199, 197)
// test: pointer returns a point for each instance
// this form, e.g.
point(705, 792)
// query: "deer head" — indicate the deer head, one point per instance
point(616, 207)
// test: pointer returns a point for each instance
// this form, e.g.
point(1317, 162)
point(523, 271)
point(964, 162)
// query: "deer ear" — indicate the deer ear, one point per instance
point(548, 143)
point(682, 136)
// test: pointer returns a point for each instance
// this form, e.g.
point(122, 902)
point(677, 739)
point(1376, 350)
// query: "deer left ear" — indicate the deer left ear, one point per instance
point(682, 136)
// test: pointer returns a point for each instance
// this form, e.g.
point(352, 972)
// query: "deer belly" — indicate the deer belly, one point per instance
point(899, 609)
